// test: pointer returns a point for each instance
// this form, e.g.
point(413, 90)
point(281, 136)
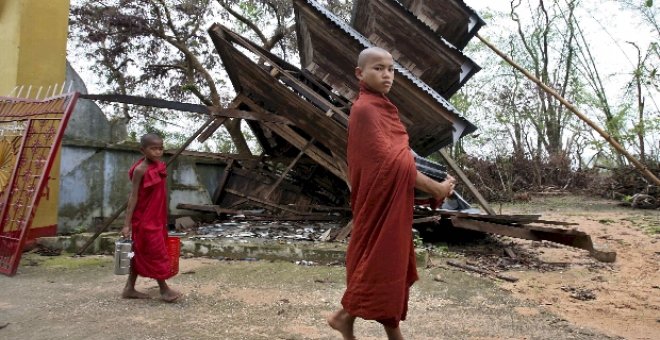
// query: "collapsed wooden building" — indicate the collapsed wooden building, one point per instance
point(299, 115)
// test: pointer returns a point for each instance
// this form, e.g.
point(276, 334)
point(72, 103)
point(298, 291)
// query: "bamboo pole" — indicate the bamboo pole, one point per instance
point(114, 216)
point(643, 169)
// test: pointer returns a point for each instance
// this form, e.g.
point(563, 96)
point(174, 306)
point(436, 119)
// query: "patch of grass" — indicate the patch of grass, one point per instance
point(66, 261)
point(605, 221)
point(647, 222)
point(275, 273)
point(568, 204)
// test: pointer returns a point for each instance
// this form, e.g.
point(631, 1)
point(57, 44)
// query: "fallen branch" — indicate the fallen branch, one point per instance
point(481, 271)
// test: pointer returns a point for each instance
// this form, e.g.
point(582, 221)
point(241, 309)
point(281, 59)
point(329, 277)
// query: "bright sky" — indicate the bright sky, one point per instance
point(608, 26)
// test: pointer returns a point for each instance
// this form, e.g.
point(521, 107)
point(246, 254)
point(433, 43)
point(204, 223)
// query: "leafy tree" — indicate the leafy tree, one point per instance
point(160, 48)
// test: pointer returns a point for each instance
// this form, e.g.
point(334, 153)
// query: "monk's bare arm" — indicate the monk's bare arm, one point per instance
point(132, 198)
point(439, 190)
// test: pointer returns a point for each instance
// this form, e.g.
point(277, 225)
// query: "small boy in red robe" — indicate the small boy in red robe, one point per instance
point(380, 259)
point(146, 221)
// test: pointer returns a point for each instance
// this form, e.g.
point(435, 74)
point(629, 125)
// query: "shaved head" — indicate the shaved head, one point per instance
point(369, 53)
point(150, 138)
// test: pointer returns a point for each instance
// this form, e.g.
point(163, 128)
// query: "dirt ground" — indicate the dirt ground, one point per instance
point(562, 293)
point(626, 294)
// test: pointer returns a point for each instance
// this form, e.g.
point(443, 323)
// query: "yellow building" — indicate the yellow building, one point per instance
point(33, 55)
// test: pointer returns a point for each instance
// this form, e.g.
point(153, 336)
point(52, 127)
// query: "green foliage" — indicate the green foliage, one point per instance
point(418, 242)
point(440, 249)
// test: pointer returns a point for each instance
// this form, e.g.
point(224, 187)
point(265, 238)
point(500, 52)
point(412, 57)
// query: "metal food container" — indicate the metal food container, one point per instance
point(123, 255)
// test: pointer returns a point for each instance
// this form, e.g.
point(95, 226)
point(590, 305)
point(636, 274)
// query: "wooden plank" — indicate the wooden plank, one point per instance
point(344, 231)
point(250, 115)
point(500, 219)
point(260, 86)
point(266, 56)
point(216, 123)
point(494, 228)
point(253, 216)
point(389, 25)
point(313, 152)
point(573, 238)
point(431, 121)
point(298, 141)
point(222, 182)
point(449, 19)
point(288, 168)
point(263, 202)
point(463, 177)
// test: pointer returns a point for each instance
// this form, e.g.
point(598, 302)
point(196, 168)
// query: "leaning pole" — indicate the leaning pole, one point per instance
point(639, 165)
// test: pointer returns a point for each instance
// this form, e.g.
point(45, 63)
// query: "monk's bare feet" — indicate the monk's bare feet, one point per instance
point(170, 295)
point(342, 322)
point(133, 294)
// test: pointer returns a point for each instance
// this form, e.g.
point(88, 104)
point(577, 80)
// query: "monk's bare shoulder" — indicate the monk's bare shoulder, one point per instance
point(140, 170)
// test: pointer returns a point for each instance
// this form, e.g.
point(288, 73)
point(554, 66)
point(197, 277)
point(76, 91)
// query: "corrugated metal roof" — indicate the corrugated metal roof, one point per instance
point(344, 26)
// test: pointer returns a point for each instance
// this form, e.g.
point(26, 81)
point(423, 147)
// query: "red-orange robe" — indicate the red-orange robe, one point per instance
point(380, 260)
point(149, 223)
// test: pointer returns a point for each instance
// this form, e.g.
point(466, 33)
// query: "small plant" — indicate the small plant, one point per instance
point(440, 249)
point(418, 242)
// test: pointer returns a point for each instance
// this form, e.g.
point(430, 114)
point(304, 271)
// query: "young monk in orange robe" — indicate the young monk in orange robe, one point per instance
point(146, 221)
point(380, 260)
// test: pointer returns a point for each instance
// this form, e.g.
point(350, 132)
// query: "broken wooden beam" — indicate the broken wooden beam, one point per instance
point(463, 177)
point(249, 115)
point(264, 202)
point(506, 219)
point(217, 195)
point(344, 232)
point(481, 271)
point(289, 167)
point(573, 238)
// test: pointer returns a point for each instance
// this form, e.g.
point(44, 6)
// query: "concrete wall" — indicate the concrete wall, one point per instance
point(94, 170)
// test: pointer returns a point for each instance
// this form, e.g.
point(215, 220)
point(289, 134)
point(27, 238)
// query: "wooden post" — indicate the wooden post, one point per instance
point(217, 195)
point(643, 169)
point(452, 164)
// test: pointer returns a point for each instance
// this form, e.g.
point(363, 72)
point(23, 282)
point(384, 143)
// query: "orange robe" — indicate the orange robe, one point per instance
point(380, 260)
point(149, 223)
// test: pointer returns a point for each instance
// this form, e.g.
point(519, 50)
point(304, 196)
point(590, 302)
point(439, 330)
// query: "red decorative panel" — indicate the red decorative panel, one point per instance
point(30, 135)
